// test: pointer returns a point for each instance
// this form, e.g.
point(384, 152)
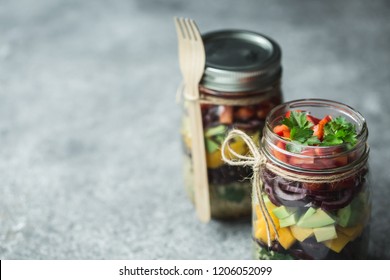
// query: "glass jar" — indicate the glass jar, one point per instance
point(241, 84)
point(323, 212)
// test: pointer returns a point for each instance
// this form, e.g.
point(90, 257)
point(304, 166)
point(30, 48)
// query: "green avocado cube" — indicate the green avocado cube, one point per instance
point(211, 146)
point(351, 214)
point(308, 213)
point(289, 220)
point(319, 219)
point(213, 131)
point(283, 212)
point(325, 233)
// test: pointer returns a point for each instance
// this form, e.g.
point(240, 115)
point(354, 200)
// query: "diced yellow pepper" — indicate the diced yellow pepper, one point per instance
point(351, 232)
point(260, 229)
point(338, 243)
point(239, 147)
point(286, 239)
point(256, 137)
point(270, 207)
point(260, 226)
point(301, 233)
point(214, 160)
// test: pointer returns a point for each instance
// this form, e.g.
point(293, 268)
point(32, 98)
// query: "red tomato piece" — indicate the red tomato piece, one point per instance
point(226, 116)
point(244, 113)
point(280, 155)
point(286, 134)
point(312, 119)
point(279, 129)
point(319, 128)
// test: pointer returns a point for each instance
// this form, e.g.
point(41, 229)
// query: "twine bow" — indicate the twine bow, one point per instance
point(257, 161)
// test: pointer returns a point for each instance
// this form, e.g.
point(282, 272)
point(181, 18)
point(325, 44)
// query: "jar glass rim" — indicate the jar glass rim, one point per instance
point(327, 152)
point(317, 102)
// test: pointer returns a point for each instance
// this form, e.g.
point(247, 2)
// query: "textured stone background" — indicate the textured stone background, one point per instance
point(90, 162)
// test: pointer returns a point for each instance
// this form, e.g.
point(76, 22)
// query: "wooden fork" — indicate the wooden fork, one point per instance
point(192, 60)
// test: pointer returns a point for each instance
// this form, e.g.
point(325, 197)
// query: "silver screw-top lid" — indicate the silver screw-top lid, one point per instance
point(239, 60)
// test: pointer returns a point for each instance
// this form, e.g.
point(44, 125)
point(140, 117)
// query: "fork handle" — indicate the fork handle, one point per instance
point(201, 189)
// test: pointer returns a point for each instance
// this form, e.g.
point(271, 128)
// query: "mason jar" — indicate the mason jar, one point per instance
point(240, 85)
point(317, 197)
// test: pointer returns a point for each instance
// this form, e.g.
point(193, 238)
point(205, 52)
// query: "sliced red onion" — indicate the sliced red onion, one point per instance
point(292, 188)
point(338, 204)
point(271, 195)
point(287, 195)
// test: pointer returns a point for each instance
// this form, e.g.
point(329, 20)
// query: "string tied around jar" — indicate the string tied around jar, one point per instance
point(253, 99)
point(258, 162)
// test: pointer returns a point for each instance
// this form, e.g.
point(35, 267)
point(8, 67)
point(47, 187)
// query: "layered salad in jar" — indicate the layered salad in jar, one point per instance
point(314, 219)
point(229, 186)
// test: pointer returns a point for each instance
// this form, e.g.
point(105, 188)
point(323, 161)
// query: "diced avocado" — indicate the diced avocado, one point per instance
point(290, 220)
point(308, 213)
point(351, 214)
point(319, 219)
point(220, 129)
point(283, 212)
point(344, 216)
point(211, 146)
point(339, 243)
point(301, 233)
point(325, 233)
point(219, 138)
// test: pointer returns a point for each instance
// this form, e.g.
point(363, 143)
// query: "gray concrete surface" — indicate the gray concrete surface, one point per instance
point(90, 164)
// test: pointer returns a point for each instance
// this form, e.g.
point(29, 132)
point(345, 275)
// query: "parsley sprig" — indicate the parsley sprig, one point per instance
point(300, 128)
point(336, 132)
point(339, 131)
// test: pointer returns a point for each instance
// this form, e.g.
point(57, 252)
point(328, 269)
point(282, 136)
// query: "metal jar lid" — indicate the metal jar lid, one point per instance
point(239, 60)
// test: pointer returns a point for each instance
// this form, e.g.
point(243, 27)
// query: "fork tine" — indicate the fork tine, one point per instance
point(198, 50)
point(186, 28)
point(194, 29)
point(179, 27)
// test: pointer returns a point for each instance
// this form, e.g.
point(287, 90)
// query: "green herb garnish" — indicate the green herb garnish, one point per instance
point(339, 131)
point(300, 131)
point(332, 132)
point(297, 119)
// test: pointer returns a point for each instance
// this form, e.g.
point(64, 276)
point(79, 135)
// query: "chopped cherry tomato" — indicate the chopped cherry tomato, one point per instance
point(288, 113)
point(244, 113)
point(319, 128)
point(280, 155)
point(226, 117)
point(279, 129)
point(304, 162)
point(312, 119)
